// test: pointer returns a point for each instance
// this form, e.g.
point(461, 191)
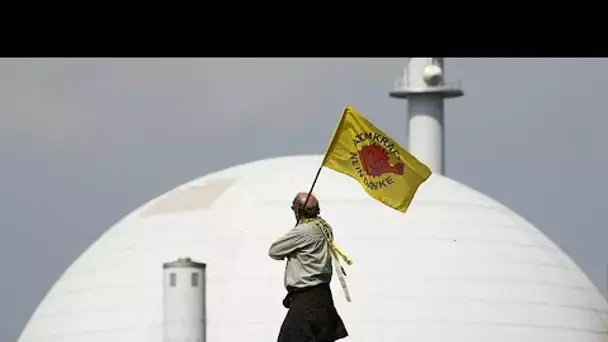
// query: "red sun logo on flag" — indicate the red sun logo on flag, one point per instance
point(375, 161)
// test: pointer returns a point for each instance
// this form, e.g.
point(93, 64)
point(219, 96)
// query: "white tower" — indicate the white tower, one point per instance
point(184, 314)
point(424, 87)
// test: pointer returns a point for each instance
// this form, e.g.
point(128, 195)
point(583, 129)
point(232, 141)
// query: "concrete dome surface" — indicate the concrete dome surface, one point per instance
point(458, 267)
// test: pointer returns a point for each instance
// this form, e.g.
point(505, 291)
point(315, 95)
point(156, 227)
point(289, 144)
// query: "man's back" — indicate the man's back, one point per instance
point(308, 248)
point(309, 260)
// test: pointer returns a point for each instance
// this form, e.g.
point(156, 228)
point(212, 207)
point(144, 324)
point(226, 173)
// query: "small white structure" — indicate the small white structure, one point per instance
point(184, 315)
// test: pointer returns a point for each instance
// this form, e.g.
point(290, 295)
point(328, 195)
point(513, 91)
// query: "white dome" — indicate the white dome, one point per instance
point(458, 267)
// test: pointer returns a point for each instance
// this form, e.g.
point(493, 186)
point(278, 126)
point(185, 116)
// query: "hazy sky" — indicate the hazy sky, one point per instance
point(85, 141)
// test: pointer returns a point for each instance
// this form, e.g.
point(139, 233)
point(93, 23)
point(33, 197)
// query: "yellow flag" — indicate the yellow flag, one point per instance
point(387, 171)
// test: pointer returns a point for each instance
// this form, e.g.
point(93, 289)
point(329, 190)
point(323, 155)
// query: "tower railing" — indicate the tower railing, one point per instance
point(403, 83)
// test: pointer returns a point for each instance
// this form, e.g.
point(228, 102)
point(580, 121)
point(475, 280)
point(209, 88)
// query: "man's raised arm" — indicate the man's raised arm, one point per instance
point(286, 245)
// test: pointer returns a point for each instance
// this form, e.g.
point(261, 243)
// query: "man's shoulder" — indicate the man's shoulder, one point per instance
point(312, 224)
point(304, 226)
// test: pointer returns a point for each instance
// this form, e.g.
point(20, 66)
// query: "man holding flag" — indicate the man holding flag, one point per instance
point(309, 250)
point(389, 174)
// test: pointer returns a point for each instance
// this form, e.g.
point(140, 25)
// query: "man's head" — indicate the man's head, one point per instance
point(305, 209)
